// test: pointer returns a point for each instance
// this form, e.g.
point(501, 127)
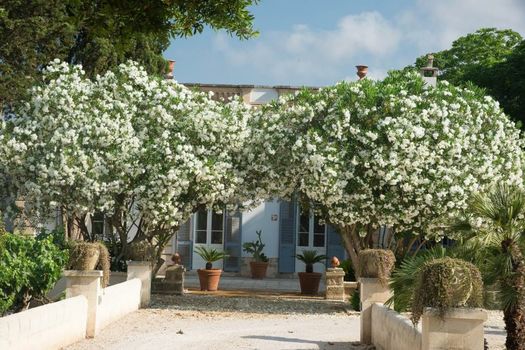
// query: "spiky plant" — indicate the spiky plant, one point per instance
point(210, 255)
point(309, 258)
point(502, 211)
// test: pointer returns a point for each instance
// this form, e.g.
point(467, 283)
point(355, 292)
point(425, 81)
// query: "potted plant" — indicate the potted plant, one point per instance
point(209, 277)
point(88, 256)
point(259, 265)
point(309, 280)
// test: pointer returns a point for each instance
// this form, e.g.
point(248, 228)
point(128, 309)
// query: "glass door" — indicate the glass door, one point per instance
point(209, 233)
point(311, 235)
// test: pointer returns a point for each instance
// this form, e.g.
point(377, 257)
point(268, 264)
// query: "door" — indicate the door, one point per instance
point(209, 233)
point(311, 235)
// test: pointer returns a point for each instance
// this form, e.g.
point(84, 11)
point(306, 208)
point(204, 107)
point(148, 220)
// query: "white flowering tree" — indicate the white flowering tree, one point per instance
point(394, 153)
point(144, 151)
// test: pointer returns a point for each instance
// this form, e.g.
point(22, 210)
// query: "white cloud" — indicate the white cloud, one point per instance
point(304, 51)
point(307, 55)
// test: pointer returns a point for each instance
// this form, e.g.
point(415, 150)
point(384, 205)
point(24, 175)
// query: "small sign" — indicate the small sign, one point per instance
point(275, 217)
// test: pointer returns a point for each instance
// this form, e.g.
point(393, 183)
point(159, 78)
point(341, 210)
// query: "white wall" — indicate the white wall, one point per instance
point(117, 301)
point(260, 218)
point(50, 326)
point(391, 331)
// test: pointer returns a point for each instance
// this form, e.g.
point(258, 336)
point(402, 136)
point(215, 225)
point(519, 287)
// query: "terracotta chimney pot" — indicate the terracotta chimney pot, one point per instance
point(171, 68)
point(362, 70)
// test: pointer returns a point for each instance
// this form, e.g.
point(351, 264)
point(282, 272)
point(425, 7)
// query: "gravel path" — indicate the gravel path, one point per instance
point(212, 322)
point(202, 322)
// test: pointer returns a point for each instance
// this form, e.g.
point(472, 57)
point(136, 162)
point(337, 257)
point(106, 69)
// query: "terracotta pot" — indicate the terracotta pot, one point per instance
point(258, 269)
point(309, 282)
point(209, 279)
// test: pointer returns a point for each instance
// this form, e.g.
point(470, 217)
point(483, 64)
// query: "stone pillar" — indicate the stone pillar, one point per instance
point(142, 271)
point(460, 329)
point(371, 291)
point(335, 289)
point(88, 284)
point(174, 281)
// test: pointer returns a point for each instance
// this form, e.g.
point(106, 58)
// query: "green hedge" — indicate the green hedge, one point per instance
point(29, 268)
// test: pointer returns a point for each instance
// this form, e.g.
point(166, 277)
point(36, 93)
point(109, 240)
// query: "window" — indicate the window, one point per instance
point(319, 232)
point(304, 230)
point(311, 232)
point(209, 227)
point(97, 225)
point(201, 227)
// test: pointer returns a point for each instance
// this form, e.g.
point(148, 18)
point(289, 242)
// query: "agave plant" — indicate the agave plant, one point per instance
point(210, 255)
point(309, 258)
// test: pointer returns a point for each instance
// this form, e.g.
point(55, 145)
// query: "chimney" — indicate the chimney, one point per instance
point(169, 75)
point(430, 73)
point(361, 71)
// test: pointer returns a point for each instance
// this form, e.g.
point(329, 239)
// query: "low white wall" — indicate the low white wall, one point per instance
point(391, 331)
point(117, 301)
point(50, 326)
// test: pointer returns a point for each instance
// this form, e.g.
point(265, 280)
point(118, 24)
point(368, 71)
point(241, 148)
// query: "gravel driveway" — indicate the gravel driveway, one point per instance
point(214, 322)
point(266, 322)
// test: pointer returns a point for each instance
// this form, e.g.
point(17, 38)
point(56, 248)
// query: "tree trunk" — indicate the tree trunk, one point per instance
point(351, 245)
point(514, 315)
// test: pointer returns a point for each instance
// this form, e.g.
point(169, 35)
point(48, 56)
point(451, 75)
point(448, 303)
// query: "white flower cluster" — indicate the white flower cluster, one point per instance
point(387, 153)
point(125, 137)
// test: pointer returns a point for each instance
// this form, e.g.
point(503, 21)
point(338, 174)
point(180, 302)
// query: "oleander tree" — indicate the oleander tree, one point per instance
point(392, 152)
point(144, 151)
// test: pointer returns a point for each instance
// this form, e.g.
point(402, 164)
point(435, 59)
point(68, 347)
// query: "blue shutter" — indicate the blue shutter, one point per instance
point(232, 241)
point(185, 245)
point(334, 245)
point(287, 234)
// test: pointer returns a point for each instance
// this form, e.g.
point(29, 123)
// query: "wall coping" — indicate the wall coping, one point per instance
point(138, 263)
point(82, 273)
point(459, 313)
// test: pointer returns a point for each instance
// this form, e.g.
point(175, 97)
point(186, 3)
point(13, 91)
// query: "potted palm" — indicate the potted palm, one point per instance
point(259, 265)
point(309, 280)
point(209, 277)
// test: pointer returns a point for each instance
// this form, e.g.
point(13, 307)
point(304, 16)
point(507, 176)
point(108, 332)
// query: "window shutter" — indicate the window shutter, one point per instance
point(232, 241)
point(287, 234)
point(334, 246)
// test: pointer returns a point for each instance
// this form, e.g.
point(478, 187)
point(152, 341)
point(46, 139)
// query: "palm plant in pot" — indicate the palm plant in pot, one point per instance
point(259, 265)
point(309, 280)
point(209, 277)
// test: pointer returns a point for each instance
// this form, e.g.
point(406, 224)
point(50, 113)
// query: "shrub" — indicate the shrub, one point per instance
point(89, 256)
point(355, 300)
point(30, 268)
point(376, 263)
point(141, 251)
point(447, 283)
point(347, 267)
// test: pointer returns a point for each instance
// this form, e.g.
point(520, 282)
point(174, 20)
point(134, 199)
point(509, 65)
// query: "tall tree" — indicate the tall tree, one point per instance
point(101, 34)
point(489, 58)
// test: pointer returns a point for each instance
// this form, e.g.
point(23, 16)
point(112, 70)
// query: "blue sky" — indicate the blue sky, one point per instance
point(319, 42)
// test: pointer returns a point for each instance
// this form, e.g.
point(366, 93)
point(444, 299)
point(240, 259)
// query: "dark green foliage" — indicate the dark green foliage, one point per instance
point(210, 255)
point(444, 284)
point(256, 248)
point(404, 277)
point(100, 34)
point(355, 300)
point(346, 265)
point(309, 258)
point(376, 263)
point(489, 58)
point(29, 269)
